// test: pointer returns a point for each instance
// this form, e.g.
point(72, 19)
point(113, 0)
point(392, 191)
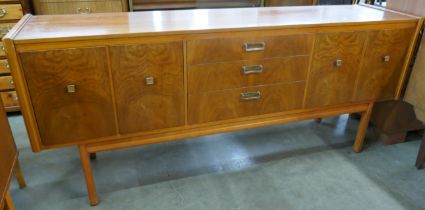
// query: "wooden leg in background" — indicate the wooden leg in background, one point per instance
point(19, 175)
point(93, 156)
point(361, 131)
point(421, 154)
point(8, 202)
point(88, 174)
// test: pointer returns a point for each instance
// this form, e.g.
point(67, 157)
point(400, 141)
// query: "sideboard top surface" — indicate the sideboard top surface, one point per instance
point(114, 25)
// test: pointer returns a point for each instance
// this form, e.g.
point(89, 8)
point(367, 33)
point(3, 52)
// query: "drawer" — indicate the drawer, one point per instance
point(10, 12)
point(6, 83)
point(235, 103)
point(230, 75)
point(4, 67)
point(10, 99)
point(83, 7)
point(5, 28)
point(2, 50)
point(245, 48)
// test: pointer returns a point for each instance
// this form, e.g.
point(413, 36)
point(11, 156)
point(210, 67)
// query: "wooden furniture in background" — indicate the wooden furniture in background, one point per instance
point(273, 3)
point(10, 13)
point(392, 120)
point(148, 77)
point(50, 7)
point(139, 5)
point(9, 164)
point(420, 160)
point(416, 7)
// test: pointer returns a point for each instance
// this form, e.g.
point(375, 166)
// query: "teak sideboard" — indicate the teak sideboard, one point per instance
point(111, 81)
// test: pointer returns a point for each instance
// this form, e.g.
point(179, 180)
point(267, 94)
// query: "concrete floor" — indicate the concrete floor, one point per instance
point(295, 166)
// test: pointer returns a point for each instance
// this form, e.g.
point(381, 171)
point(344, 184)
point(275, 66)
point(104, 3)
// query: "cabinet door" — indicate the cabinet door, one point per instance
point(383, 64)
point(334, 69)
point(148, 83)
point(70, 93)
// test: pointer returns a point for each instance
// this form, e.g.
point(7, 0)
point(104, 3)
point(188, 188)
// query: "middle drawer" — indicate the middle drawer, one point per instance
point(229, 75)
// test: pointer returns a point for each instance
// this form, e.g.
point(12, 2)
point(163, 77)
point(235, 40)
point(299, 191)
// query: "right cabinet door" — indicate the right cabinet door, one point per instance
point(382, 64)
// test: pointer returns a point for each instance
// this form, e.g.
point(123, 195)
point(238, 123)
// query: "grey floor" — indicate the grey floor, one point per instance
point(295, 166)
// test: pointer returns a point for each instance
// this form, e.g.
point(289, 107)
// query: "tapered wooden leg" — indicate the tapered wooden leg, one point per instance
point(93, 156)
point(421, 154)
point(361, 131)
point(19, 175)
point(88, 174)
point(8, 202)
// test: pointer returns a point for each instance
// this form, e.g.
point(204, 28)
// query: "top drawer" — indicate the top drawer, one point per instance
point(245, 48)
point(10, 12)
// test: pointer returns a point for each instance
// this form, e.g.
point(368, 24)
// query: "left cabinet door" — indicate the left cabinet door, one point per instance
point(70, 91)
point(149, 86)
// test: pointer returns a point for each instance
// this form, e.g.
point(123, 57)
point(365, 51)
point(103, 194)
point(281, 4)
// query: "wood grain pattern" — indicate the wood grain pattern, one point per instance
point(6, 83)
point(273, 3)
point(219, 76)
point(8, 154)
point(143, 107)
point(70, 117)
point(328, 83)
point(155, 23)
point(377, 79)
point(78, 7)
point(231, 49)
point(222, 105)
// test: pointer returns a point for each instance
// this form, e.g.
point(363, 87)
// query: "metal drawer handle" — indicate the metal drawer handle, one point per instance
point(387, 58)
point(338, 62)
point(249, 96)
point(11, 83)
point(252, 47)
point(256, 69)
point(149, 80)
point(84, 11)
point(2, 48)
point(71, 89)
point(3, 12)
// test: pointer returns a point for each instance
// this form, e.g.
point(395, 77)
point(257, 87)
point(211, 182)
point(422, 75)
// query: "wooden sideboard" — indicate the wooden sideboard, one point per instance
point(111, 81)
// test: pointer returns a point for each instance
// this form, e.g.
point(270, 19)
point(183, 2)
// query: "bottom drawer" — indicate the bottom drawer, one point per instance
point(10, 100)
point(242, 102)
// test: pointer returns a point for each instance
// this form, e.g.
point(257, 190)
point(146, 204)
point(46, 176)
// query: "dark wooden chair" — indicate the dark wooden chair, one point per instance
point(421, 155)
